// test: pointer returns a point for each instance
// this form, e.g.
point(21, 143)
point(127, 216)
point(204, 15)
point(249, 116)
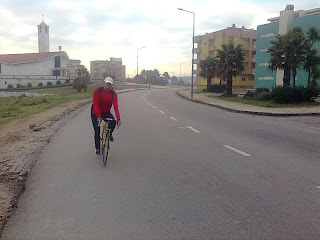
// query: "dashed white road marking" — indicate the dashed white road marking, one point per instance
point(153, 107)
point(161, 111)
point(237, 150)
point(195, 130)
point(149, 104)
point(173, 119)
point(318, 187)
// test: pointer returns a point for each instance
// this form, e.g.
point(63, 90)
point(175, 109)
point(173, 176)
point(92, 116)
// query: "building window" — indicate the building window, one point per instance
point(46, 30)
point(57, 61)
point(230, 39)
point(40, 29)
point(243, 79)
point(253, 65)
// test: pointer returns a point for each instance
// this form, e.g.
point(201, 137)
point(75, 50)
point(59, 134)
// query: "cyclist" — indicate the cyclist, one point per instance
point(103, 99)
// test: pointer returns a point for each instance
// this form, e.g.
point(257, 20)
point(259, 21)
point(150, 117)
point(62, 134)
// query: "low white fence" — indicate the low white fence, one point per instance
point(23, 81)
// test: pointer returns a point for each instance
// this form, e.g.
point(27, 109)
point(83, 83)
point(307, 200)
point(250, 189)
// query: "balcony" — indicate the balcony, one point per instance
point(197, 50)
point(211, 48)
point(197, 39)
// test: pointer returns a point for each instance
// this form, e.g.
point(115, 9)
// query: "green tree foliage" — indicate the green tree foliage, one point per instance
point(294, 50)
point(208, 70)
point(229, 64)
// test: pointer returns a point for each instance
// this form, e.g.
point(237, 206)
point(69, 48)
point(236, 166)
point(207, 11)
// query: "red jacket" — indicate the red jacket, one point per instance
point(102, 102)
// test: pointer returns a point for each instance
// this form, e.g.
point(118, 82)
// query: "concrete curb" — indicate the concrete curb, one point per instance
point(249, 112)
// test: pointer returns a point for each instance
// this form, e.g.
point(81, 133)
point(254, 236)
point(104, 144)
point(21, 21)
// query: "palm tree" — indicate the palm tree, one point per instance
point(311, 60)
point(279, 56)
point(208, 68)
point(229, 64)
point(297, 50)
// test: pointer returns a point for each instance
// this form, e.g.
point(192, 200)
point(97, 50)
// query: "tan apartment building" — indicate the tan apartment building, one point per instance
point(100, 69)
point(208, 44)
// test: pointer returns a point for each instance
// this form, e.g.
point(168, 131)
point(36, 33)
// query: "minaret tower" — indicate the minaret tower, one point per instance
point(43, 37)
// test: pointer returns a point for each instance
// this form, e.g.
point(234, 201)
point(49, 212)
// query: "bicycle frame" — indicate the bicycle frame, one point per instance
point(105, 139)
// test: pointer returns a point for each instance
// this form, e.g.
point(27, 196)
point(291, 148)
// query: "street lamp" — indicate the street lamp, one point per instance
point(95, 74)
point(192, 48)
point(138, 60)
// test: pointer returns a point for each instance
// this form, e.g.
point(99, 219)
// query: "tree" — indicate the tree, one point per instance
point(279, 56)
point(207, 69)
point(311, 61)
point(297, 50)
point(230, 63)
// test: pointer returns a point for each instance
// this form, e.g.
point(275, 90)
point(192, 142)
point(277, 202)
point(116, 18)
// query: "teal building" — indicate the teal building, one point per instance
point(287, 20)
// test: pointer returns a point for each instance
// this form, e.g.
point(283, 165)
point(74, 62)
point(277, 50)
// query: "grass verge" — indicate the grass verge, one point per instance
point(19, 107)
point(268, 104)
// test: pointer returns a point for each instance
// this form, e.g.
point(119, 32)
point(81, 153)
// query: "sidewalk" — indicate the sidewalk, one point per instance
point(248, 109)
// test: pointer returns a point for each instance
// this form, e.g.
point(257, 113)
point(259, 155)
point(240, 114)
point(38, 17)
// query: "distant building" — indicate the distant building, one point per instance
point(208, 44)
point(287, 20)
point(100, 69)
point(75, 67)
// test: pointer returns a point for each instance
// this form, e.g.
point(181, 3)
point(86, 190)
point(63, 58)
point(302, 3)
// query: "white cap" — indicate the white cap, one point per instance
point(108, 80)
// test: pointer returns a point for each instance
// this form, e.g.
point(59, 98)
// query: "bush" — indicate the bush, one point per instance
point(259, 90)
point(263, 96)
point(10, 86)
point(217, 88)
point(19, 85)
point(249, 95)
point(68, 81)
point(58, 82)
point(40, 84)
point(49, 83)
point(29, 85)
point(288, 94)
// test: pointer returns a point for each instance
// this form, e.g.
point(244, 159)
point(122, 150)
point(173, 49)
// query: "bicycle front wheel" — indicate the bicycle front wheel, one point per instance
point(106, 148)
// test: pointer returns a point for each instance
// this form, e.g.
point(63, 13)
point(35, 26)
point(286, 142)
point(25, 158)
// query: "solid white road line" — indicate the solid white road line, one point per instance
point(173, 119)
point(195, 130)
point(153, 107)
point(149, 104)
point(161, 111)
point(238, 151)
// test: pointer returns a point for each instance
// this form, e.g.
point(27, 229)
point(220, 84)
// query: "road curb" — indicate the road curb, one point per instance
point(249, 112)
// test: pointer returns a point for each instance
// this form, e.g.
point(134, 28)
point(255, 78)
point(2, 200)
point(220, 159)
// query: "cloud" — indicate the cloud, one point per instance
point(100, 29)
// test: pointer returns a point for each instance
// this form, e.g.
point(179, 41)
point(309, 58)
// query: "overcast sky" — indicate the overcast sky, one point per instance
point(99, 29)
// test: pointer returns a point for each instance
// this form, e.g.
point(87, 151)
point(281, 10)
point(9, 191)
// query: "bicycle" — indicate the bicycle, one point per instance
point(105, 139)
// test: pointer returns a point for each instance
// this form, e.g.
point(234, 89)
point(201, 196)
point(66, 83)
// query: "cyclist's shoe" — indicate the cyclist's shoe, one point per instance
point(111, 138)
point(97, 151)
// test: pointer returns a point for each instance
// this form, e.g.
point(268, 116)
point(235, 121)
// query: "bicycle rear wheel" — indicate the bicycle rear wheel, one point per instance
point(106, 148)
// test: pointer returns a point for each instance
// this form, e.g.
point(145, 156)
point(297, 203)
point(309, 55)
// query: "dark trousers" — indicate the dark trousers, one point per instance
point(96, 128)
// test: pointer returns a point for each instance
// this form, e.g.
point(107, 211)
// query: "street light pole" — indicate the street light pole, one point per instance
point(192, 47)
point(138, 64)
point(138, 59)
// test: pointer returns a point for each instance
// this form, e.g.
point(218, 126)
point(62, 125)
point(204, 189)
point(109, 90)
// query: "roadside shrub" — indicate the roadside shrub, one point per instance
point(19, 85)
point(249, 95)
point(49, 83)
point(40, 84)
point(58, 82)
point(67, 80)
point(284, 94)
point(217, 88)
point(259, 90)
point(10, 86)
point(263, 96)
point(310, 92)
point(29, 85)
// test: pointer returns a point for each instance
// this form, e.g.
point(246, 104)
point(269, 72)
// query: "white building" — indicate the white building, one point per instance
point(29, 67)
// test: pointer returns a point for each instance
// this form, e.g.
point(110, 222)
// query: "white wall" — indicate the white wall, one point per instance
point(5, 81)
point(35, 68)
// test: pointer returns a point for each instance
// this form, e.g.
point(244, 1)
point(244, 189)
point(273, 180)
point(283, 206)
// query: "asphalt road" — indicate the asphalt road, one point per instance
point(177, 170)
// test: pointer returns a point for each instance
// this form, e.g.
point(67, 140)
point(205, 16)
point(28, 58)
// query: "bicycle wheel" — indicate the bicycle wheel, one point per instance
point(106, 148)
point(102, 141)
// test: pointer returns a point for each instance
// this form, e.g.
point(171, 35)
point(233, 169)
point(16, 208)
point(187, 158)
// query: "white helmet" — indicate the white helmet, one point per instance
point(108, 80)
